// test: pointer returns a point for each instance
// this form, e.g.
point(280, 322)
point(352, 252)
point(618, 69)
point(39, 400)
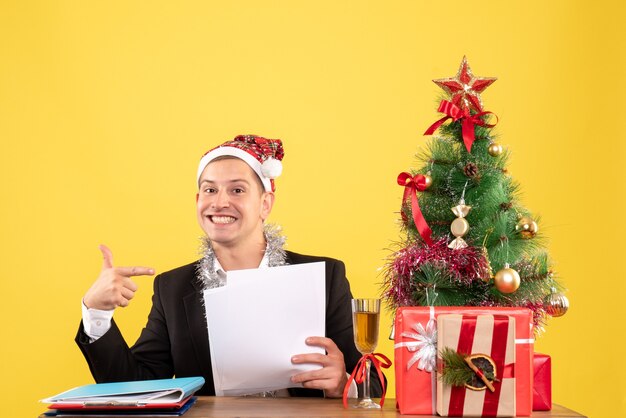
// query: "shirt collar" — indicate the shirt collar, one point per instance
point(222, 273)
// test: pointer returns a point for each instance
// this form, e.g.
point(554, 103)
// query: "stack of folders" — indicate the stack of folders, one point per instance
point(163, 397)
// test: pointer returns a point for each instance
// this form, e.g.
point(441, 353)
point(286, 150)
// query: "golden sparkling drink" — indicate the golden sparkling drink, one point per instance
point(366, 331)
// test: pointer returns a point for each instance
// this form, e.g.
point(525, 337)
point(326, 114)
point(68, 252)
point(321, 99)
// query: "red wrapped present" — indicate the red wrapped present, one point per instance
point(542, 382)
point(481, 349)
point(416, 352)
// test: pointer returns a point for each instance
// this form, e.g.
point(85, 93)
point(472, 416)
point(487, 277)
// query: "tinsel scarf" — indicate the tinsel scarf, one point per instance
point(274, 251)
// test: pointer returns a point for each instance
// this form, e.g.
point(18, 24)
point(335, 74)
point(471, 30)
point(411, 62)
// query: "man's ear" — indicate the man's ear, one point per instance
point(267, 203)
point(197, 197)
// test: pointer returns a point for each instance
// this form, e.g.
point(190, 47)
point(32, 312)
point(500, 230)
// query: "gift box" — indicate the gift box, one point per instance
point(542, 382)
point(415, 355)
point(489, 389)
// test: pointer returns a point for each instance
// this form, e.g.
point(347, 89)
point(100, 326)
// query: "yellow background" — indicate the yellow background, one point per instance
point(106, 107)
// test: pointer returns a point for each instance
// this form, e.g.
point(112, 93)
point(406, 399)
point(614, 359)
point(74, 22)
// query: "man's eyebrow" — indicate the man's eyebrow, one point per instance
point(229, 181)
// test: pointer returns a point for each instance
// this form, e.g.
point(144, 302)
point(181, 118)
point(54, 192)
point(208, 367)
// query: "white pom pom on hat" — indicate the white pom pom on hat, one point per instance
point(272, 168)
point(263, 155)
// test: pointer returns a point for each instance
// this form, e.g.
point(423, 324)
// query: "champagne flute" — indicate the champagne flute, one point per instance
point(365, 319)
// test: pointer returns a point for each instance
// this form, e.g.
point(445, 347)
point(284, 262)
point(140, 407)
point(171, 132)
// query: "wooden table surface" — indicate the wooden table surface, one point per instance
point(228, 407)
point(249, 407)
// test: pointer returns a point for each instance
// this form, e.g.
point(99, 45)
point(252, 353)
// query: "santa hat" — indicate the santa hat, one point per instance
point(261, 154)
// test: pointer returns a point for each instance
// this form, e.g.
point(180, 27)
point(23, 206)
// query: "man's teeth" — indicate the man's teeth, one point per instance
point(223, 219)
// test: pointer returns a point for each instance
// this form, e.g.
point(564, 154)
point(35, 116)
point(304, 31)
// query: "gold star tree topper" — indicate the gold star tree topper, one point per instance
point(465, 88)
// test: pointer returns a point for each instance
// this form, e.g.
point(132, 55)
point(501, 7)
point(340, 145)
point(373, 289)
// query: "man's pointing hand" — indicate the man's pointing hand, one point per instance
point(114, 286)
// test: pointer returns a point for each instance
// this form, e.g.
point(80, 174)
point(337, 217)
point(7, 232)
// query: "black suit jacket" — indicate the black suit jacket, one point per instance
point(175, 339)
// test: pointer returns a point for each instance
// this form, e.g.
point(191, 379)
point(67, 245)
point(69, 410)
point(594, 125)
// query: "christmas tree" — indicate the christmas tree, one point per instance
point(468, 241)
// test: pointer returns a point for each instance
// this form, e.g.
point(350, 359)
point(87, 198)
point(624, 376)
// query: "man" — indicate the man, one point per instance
point(235, 197)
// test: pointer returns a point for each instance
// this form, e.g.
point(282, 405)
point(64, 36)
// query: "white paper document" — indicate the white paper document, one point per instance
point(259, 320)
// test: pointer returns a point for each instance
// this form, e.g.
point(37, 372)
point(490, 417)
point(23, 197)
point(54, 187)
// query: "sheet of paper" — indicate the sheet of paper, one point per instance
point(259, 320)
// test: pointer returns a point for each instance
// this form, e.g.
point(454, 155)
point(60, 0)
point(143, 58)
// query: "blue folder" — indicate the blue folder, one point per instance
point(140, 392)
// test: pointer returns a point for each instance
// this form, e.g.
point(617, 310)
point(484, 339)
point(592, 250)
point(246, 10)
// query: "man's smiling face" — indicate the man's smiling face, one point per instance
point(231, 203)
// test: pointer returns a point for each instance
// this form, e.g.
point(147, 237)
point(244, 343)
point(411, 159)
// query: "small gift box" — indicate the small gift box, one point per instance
point(476, 356)
point(416, 350)
point(542, 382)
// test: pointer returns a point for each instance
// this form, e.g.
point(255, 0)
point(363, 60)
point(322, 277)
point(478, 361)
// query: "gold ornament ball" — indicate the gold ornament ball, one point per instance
point(556, 304)
point(527, 227)
point(459, 227)
point(428, 180)
point(494, 149)
point(507, 280)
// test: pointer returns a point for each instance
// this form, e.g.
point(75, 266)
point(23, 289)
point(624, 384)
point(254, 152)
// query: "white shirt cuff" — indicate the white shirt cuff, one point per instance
point(96, 322)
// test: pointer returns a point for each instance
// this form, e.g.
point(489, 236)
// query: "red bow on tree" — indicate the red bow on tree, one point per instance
point(469, 121)
point(413, 184)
